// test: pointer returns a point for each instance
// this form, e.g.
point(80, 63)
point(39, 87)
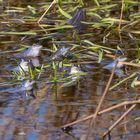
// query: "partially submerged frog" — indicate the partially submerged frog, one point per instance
point(74, 75)
point(77, 19)
point(25, 86)
point(118, 70)
point(60, 54)
point(22, 67)
point(74, 70)
point(112, 64)
point(33, 51)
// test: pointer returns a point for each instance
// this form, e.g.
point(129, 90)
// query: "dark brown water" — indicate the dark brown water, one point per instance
point(27, 118)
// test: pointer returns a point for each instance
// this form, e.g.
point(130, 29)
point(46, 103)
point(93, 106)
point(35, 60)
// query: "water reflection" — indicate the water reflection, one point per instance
point(32, 136)
point(40, 118)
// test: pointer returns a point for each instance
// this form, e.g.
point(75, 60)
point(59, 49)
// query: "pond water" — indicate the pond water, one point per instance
point(40, 117)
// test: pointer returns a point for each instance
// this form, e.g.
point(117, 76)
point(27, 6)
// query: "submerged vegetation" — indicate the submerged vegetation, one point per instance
point(65, 44)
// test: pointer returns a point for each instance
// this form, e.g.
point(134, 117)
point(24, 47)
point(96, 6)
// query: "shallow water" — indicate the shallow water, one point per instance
point(41, 117)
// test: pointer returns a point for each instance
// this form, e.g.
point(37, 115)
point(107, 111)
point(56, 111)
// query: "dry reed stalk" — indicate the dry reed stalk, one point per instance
point(118, 121)
point(103, 111)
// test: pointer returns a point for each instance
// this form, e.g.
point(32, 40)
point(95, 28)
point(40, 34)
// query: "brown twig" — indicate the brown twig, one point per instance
point(121, 16)
point(51, 5)
point(102, 98)
point(103, 111)
point(118, 121)
point(130, 64)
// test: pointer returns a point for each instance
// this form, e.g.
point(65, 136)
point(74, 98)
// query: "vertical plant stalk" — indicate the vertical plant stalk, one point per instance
point(101, 100)
point(41, 70)
point(51, 5)
point(118, 121)
point(121, 16)
point(97, 3)
point(55, 72)
point(32, 73)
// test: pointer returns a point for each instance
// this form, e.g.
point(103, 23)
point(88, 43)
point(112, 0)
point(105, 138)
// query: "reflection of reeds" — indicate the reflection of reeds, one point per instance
point(77, 19)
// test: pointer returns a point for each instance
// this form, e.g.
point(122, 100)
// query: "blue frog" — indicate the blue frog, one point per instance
point(33, 51)
point(77, 19)
point(60, 54)
point(26, 85)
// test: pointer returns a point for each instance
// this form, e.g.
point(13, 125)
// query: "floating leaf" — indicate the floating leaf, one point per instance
point(18, 33)
point(97, 3)
point(100, 56)
point(60, 27)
